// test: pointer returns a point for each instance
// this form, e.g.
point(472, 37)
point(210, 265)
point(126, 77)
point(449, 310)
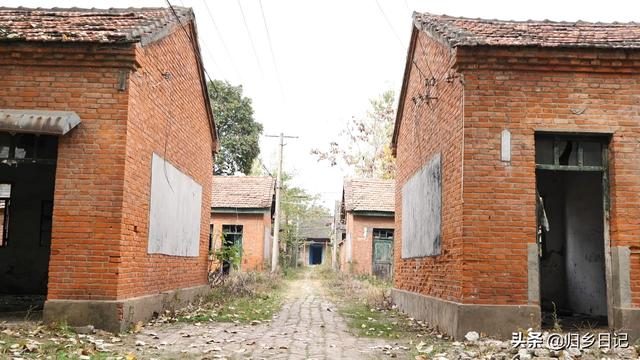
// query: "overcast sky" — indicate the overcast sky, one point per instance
point(331, 56)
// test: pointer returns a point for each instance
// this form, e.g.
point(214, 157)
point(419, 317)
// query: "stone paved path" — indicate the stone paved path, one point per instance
point(307, 327)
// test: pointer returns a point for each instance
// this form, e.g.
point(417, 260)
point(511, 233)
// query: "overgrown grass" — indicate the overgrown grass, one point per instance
point(242, 298)
point(366, 304)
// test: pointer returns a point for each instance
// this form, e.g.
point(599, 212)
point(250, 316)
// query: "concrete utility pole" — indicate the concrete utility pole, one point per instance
point(275, 246)
point(336, 235)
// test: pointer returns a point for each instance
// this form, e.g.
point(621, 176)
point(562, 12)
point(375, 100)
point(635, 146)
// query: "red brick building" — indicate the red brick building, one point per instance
point(315, 236)
point(106, 142)
point(518, 176)
point(367, 213)
point(242, 210)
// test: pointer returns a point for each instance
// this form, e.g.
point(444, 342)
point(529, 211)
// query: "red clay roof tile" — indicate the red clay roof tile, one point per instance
point(369, 195)
point(458, 31)
point(242, 192)
point(88, 25)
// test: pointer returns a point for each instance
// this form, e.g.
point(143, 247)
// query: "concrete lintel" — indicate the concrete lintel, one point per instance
point(457, 319)
point(119, 315)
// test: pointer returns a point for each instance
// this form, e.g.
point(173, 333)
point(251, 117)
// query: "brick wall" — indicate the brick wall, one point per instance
point(88, 187)
point(99, 235)
point(254, 227)
point(429, 128)
point(362, 248)
point(484, 243)
point(537, 90)
point(167, 116)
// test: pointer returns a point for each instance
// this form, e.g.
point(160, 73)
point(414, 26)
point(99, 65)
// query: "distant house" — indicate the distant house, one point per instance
point(242, 215)
point(106, 139)
point(367, 213)
point(315, 235)
point(517, 175)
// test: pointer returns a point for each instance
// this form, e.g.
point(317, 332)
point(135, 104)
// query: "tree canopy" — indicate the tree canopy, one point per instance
point(238, 132)
point(364, 143)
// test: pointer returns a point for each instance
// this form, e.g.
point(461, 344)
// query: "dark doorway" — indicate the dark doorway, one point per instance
point(571, 185)
point(27, 180)
point(232, 243)
point(315, 254)
point(383, 253)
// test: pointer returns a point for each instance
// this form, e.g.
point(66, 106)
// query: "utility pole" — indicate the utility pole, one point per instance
point(275, 246)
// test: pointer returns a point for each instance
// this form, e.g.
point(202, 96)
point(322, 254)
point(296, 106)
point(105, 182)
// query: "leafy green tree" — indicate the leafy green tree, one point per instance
point(238, 131)
point(364, 144)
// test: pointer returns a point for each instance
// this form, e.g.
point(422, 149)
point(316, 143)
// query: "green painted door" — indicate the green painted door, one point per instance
point(383, 253)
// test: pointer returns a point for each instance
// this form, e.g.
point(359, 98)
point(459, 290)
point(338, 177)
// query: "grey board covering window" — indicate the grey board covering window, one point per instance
point(421, 211)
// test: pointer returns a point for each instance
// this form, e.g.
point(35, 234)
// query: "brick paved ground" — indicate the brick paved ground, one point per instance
point(307, 327)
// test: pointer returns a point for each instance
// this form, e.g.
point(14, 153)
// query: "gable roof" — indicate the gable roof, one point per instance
point(89, 25)
point(243, 192)
point(369, 195)
point(319, 227)
point(458, 31)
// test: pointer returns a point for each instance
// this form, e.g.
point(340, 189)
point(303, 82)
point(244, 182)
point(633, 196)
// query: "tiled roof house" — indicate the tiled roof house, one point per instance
point(368, 207)
point(106, 139)
point(242, 214)
point(516, 148)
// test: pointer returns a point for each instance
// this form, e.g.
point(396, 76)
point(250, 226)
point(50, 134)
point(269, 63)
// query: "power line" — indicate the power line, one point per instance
point(253, 46)
point(273, 57)
point(406, 5)
point(213, 59)
point(390, 24)
point(198, 55)
point(224, 44)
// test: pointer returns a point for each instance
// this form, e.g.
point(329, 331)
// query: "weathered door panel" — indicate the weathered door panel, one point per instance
point(383, 253)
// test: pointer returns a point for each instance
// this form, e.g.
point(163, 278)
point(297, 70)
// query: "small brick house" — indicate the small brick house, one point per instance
point(315, 236)
point(106, 145)
point(518, 175)
point(367, 213)
point(242, 210)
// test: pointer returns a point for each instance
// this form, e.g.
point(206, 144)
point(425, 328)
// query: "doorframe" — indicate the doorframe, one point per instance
point(373, 248)
point(605, 139)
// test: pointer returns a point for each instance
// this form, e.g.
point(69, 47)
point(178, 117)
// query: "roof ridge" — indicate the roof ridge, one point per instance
point(93, 9)
point(463, 31)
point(559, 22)
point(90, 25)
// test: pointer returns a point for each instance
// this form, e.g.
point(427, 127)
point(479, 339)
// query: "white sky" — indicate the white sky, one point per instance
point(332, 56)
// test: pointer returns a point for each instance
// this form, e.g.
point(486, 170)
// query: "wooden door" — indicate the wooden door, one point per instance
point(383, 253)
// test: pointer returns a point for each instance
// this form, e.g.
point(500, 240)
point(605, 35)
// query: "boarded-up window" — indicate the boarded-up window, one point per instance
point(176, 211)
point(421, 205)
